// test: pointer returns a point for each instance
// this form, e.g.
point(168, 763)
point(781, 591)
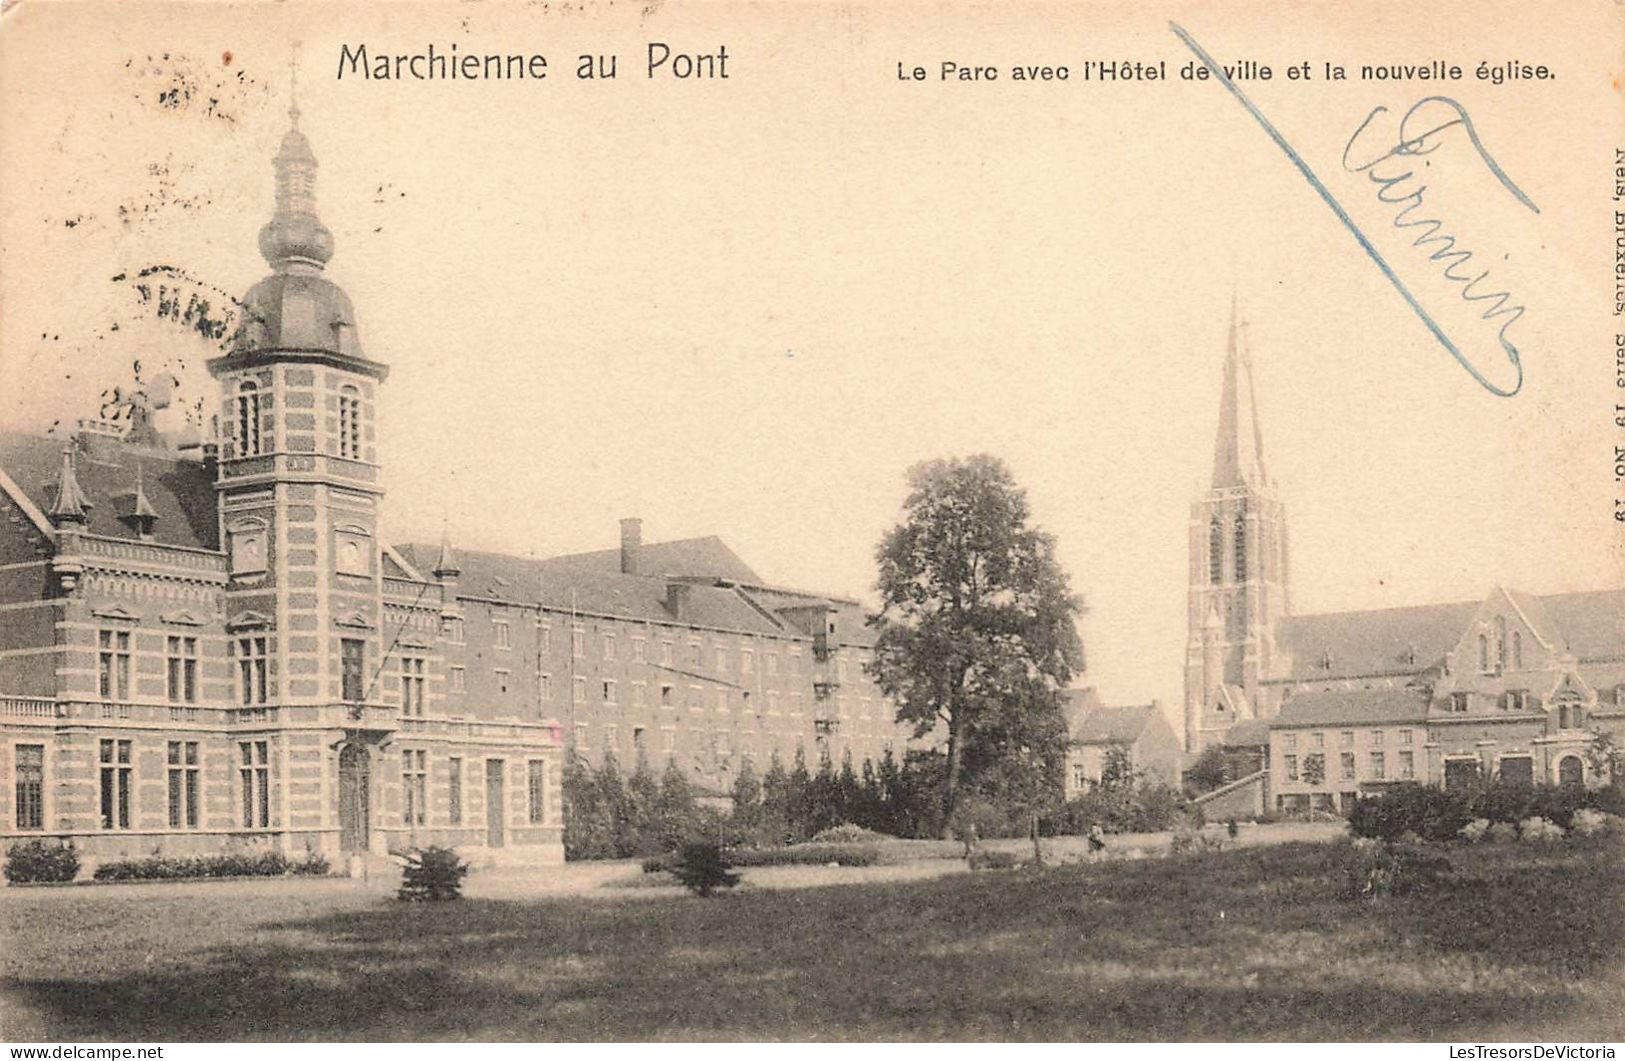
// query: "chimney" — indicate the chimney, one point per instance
point(631, 546)
point(677, 598)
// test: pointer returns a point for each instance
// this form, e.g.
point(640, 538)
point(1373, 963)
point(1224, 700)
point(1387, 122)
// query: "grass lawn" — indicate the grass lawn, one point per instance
point(1244, 944)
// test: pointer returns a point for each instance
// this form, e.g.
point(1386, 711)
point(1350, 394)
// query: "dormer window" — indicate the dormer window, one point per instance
point(247, 418)
point(350, 422)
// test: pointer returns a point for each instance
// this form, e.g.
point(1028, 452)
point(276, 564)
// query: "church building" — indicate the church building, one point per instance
point(1512, 686)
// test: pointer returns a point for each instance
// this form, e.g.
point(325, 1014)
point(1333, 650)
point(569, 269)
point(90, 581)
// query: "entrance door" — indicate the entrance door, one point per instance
point(1571, 771)
point(354, 774)
point(495, 800)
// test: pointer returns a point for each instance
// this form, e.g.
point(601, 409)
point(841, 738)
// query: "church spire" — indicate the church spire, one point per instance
point(1238, 451)
point(295, 240)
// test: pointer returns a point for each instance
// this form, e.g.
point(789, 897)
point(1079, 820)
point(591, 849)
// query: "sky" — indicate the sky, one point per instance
point(746, 307)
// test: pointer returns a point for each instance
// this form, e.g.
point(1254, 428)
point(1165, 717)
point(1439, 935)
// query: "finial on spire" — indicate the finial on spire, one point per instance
point(1238, 456)
point(293, 86)
point(71, 505)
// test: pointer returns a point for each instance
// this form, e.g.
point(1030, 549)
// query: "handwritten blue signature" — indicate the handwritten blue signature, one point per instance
point(1389, 183)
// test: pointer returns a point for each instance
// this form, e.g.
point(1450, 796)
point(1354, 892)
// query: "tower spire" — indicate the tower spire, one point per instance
point(1238, 450)
point(295, 240)
point(71, 505)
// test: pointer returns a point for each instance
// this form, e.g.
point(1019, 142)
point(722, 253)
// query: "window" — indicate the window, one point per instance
point(183, 781)
point(639, 742)
point(722, 698)
point(251, 669)
point(1407, 765)
point(772, 663)
point(578, 642)
point(451, 628)
point(772, 701)
point(247, 419)
point(255, 774)
point(1517, 650)
point(1484, 653)
point(246, 539)
point(1500, 643)
point(665, 696)
point(665, 653)
point(1458, 703)
point(1347, 738)
point(581, 737)
point(182, 675)
point(544, 637)
point(609, 690)
point(721, 658)
point(414, 787)
point(115, 784)
point(459, 679)
point(1404, 736)
point(722, 748)
point(412, 686)
point(795, 660)
point(747, 661)
point(352, 551)
point(545, 686)
point(668, 740)
point(1376, 736)
point(1215, 552)
point(502, 632)
point(29, 806)
point(114, 665)
point(1318, 739)
point(694, 653)
point(454, 790)
point(352, 656)
point(640, 693)
point(1241, 549)
point(1314, 768)
point(504, 678)
point(578, 690)
point(349, 422)
point(612, 738)
point(640, 650)
point(537, 785)
point(1290, 762)
point(1379, 766)
point(1289, 740)
point(1346, 765)
point(1516, 700)
point(609, 646)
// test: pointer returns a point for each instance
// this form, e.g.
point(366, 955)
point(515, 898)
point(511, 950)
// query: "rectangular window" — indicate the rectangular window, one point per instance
point(350, 424)
point(503, 633)
point(1458, 702)
point(772, 701)
point(414, 787)
point(665, 696)
point(255, 775)
point(1318, 740)
point(537, 785)
point(115, 784)
point(747, 661)
point(665, 653)
point(454, 790)
point(1347, 738)
point(1404, 736)
point(578, 643)
point(504, 678)
point(772, 663)
point(612, 738)
point(459, 679)
point(1376, 737)
point(451, 627)
point(183, 784)
point(1379, 766)
point(640, 693)
point(251, 669)
point(546, 686)
point(795, 660)
point(609, 690)
point(721, 658)
point(30, 789)
point(1346, 764)
point(413, 684)
point(581, 738)
point(114, 668)
point(639, 742)
point(1314, 768)
point(544, 637)
point(722, 699)
point(1407, 765)
point(182, 670)
point(694, 653)
point(1291, 764)
point(609, 646)
point(640, 650)
point(1289, 740)
point(668, 740)
point(352, 662)
point(578, 690)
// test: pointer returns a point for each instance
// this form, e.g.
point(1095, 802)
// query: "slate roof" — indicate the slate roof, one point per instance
point(1352, 707)
point(179, 491)
point(1406, 640)
point(1088, 721)
point(684, 558)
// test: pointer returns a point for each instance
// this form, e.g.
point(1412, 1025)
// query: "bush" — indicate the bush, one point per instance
point(1475, 830)
point(1503, 833)
point(1374, 869)
point(1539, 831)
point(237, 864)
point(657, 864)
point(1588, 822)
point(860, 854)
point(39, 862)
point(434, 874)
point(314, 864)
point(847, 833)
point(1431, 813)
point(702, 867)
point(984, 859)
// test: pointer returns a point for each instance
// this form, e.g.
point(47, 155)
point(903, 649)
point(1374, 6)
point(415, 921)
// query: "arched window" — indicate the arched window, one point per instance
point(1500, 643)
point(1571, 771)
point(350, 422)
point(1517, 650)
point(247, 415)
point(1215, 552)
point(1484, 653)
point(1241, 549)
point(1562, 716)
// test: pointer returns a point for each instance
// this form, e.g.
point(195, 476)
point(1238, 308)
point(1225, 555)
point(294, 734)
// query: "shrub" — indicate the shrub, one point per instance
point(37, 861)
point(1588, 822)
point(861, 854)
point(314, 864)
point(237, 864)
point(1431, 813)
point(1374, 869)
point(847, 833)
point(434, 874)
point(1503, 833)
point(702, 867)
point(657, 863)
point(1539, 831)
point(1475, 830)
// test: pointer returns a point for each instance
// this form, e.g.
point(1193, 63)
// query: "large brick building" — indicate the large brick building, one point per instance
point(208, 645)
point(1513, 685)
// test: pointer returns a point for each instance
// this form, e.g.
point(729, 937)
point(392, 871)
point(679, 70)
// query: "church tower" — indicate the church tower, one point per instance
point(298, 478)
point(1238, 568)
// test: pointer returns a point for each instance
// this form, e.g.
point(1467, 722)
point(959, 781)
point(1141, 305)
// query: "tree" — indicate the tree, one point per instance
point(976, 623)
point(1117, 767)
point(1314, 769)
point(1604, 756)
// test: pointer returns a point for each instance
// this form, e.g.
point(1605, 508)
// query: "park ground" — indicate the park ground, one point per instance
point(1252, 943)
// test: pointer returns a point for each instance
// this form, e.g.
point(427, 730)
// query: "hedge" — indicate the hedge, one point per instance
point(1436, 814)
point(265, 864)
point(37, 862)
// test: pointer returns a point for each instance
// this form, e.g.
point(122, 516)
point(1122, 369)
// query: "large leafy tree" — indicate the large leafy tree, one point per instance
point(976, 629)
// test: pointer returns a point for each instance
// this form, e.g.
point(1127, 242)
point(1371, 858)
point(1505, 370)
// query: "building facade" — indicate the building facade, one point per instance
point(1139, 735)
point(1514, 685)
